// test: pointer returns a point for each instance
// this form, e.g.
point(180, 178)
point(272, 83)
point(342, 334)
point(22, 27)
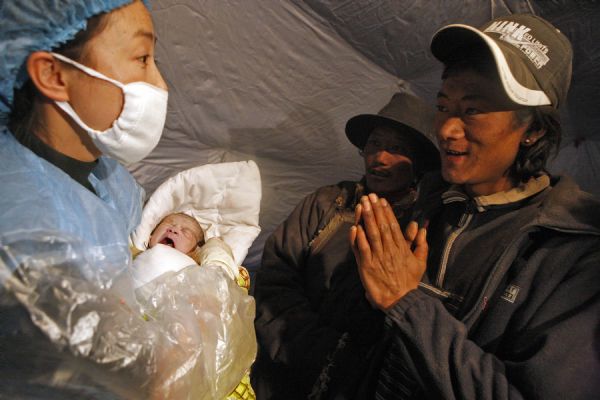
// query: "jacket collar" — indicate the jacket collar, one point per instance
point(405, 202)
point(521, 192)
point(566, 208)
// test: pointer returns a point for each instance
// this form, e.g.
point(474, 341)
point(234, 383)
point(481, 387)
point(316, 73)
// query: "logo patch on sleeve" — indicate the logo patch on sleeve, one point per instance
point(511, 293)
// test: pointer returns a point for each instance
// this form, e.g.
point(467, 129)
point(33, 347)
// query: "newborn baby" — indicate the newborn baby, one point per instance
point(181, 232)
point(177, 242)
point(221, 203)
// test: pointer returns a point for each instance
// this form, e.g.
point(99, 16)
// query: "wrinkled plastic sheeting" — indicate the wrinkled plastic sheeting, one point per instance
point(580, 160)
point(192, 336)
point(263, 81)
point(580, 152)
point(276, 81)
point(396, 34)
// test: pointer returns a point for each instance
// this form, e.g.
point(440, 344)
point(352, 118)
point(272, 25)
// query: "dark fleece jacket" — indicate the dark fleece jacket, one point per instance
point(542, 343)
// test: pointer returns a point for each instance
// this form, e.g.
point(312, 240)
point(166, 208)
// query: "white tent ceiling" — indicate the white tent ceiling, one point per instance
point(275, 81)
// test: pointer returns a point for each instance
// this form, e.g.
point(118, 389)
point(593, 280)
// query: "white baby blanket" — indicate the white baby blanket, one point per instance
point(224, 198)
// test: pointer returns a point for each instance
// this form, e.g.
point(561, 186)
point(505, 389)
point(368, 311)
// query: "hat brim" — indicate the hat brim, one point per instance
point(518, 82)
point(359, 128)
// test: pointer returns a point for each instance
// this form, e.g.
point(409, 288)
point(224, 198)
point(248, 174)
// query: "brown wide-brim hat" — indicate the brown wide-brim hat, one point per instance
point(410, 116)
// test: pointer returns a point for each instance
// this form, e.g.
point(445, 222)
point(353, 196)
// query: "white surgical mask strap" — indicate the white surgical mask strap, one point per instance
point(87, 70)
point(66, 107)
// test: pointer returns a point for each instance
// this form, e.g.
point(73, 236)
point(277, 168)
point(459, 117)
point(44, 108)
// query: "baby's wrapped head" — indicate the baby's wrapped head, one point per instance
point(179, 231)
point(183, 233)
point(218, 203)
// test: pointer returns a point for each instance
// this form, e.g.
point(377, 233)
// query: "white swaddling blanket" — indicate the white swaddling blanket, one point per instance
point(224, 198)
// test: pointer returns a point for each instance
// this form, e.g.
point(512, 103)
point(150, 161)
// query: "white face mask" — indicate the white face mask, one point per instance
point(137, 130)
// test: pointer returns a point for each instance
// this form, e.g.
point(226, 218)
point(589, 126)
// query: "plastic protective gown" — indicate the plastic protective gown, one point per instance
point(70, 326)
point(64, 255)
point(39, 197)
point(52, 225)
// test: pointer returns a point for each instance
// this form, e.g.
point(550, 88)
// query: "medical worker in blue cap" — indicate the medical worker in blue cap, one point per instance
point(80, 95)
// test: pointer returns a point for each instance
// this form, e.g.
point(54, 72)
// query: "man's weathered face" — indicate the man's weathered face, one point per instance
point(477, 132)
point(388, 161)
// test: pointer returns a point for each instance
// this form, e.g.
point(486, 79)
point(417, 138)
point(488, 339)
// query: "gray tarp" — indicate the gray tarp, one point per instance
point(275, 81)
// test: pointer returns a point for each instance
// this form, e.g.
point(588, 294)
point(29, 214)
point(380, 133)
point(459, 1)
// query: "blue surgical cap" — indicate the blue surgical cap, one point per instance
point(32, 25)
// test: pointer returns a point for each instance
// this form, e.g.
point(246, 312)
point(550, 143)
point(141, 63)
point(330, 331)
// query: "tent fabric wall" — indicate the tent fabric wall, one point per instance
point(580, 153)
point(275, 81)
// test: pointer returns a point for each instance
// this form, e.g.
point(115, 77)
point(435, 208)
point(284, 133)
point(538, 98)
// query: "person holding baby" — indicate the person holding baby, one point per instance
point(80, 97)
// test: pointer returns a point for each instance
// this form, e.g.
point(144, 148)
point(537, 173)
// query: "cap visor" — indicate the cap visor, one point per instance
point(506, 57)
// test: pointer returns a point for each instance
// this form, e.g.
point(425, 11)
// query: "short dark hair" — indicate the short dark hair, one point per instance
point(22, 118)
point(531, 160)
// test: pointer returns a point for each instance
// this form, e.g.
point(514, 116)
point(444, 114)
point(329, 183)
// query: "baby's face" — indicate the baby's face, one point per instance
point(178, 231)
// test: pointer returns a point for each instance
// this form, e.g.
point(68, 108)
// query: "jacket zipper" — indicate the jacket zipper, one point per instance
point(433, 289)
point(465, 219)
point(329, 229)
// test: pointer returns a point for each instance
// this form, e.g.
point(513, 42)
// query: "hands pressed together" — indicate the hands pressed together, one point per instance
point(390, 263)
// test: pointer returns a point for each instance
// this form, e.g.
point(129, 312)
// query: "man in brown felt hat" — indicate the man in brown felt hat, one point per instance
point(315, 329)
point(499, 297)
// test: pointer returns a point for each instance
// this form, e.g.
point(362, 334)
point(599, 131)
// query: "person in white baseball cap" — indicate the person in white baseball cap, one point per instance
point(497, 295)
point(532, 57)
